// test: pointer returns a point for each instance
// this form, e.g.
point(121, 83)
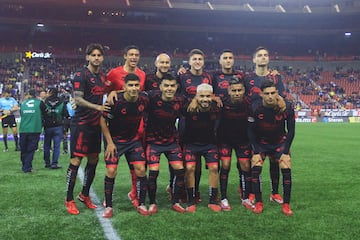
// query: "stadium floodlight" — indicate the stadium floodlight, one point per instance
point(337, 8)
point(347, 34)
point(40, 25)
point(169, 4)
point(307, 9)
point(210, 5)
point(249, 7)
point(280, 8)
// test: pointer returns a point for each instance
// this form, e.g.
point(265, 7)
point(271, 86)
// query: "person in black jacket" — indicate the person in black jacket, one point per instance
point(53, 117)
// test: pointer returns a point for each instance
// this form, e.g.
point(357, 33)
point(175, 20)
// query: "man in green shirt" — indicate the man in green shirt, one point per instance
point(30, 128)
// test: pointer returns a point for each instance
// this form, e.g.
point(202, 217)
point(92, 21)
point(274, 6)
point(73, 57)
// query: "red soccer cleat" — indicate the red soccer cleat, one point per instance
point(214, 207)
point(286, 209)
point(108, 212)
point(178, 208)
point(191, 208)
point(86, 201)
point(259, 207)
point(143, 210)
point(71, 207)
point(225, 206)
point(153, 209)
point(247, 204)
point(276, 198)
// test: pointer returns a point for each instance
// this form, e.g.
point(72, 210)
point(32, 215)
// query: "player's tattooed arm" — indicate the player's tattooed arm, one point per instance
point(80, 101)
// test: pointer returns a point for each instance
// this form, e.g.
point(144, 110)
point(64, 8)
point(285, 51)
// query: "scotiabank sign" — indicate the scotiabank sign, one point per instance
point(30, 54)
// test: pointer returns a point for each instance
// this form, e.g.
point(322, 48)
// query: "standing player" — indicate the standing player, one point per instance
point(120, 127)
point(232, 134)
point(221, 78)
point(252, 85)
point(271, 133)
point(162, 137)
point(8, 105)
point(85, 130)
point(115, 82)
point(162, 64)
point(199, 140)
point(188, 84)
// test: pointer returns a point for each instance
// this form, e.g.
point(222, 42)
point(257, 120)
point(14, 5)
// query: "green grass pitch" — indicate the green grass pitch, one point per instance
point(325, 198)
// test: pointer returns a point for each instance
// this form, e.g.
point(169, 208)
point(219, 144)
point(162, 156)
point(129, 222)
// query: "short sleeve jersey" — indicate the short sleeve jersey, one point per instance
point(253, 83)
point(270, 126)
point(221, 82)
point(233, 122)
point(160, 125)
point(124, 117)
point(200, 127)
point(92, 85)
point(115, 79)
point(189, 82)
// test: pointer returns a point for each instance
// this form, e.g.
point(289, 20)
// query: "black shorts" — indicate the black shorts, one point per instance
point(8, 121)
point(208, 151)
point(85, 140)
point(242, 151)
point(271, 150)
point(172, 152)
point(133, 151)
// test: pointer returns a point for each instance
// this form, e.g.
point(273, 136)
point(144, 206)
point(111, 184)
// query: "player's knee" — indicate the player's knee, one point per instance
point(285, 163)
point(245, 165)
point(177, 166)
point(75, 161)
point(111, 172)
point(225, 164)
point(213, 169)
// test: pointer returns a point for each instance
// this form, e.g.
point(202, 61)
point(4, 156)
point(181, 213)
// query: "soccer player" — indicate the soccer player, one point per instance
point(221, 83)
point(120, 128)
point(85, 130)
point(8, 105)
point(232, 134)
point(188, 84)
point(221, 78)
point(199, 140)
point(30, 128)
point(271, 133)
point(115, 83)
point(161, 136)
point(253, 82)
point(162, 64)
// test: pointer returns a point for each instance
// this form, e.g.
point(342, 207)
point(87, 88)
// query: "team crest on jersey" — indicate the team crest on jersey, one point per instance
point(76, 85)
point(260, 116)
point(92, 80)
point(205, 80)
point(159, 103)
point(252, 82)
point(221, 76)
point(188, 81)
point(154, 85)
point(176, 106)
point(278, 117)
point(123, 111)
point(78, 74)
point(141, 108)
